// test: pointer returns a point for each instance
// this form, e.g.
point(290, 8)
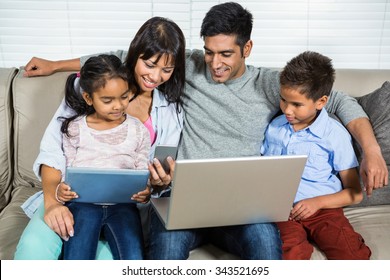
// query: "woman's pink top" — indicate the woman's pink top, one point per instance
point(148, 124)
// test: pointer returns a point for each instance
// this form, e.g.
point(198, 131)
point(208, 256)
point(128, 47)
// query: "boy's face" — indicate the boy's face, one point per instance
point(224, 58)
point(300, 111)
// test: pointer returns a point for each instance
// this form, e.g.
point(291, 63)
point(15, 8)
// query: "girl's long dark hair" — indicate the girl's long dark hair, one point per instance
point(93, 75)
point(160, 36)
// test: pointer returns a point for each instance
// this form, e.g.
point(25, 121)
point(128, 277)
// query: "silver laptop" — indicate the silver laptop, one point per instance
point(230, 191)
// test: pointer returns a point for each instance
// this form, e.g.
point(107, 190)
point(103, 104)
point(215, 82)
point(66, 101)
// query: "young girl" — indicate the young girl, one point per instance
point(156, 67)
point(102, 135)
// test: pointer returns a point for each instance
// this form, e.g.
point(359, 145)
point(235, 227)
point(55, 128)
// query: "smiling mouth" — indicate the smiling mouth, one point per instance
point(220, 72)
point(149, 83)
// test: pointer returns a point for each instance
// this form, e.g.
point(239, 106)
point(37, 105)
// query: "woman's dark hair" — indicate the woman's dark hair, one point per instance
point(94, 75)
point(229, 19)
point(160, 36)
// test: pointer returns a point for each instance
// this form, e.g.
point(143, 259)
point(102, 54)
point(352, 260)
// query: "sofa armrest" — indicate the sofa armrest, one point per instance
point(6, 77)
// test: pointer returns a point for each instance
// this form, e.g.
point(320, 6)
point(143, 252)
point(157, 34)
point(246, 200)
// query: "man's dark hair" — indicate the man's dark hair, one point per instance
point(229, 19)
point(311, 73)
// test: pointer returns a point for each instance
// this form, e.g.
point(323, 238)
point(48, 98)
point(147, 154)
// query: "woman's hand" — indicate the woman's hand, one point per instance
point(60, 220)
point(64, 193)
point(158, 176)
point(142, 196)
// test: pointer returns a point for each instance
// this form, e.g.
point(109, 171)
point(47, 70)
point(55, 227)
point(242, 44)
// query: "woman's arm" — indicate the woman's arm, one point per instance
point(57, 216)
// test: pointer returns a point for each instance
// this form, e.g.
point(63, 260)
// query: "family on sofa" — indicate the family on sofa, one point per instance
point(202, 106)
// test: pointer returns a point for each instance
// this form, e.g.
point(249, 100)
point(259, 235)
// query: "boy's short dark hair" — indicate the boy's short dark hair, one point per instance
point(312, 73)
point(229, 19)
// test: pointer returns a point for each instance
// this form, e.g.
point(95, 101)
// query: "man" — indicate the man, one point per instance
point(227, 107)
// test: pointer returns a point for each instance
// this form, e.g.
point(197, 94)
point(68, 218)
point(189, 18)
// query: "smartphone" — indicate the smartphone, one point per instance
point(162, 152)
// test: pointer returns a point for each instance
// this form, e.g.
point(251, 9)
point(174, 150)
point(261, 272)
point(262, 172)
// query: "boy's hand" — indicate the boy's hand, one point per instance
point(64, 193)
point(304, 209)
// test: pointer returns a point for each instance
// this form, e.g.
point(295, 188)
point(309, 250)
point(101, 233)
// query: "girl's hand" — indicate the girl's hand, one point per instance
point(142, 196)
point(64, 193)
point(158, 176)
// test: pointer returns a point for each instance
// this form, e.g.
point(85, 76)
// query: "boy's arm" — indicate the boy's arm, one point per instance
point(350, 194)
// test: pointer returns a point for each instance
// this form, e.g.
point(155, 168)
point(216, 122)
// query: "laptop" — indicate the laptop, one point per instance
point(98, 185)
point(230, 191)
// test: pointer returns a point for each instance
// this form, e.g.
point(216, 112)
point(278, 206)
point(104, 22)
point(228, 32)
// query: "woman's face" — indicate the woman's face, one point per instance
point(151, 73)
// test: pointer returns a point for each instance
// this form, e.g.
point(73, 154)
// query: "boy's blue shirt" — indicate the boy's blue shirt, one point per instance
point(327, 144)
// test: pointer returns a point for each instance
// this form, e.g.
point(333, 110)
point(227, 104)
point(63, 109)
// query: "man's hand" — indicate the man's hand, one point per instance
point(60, 219)
point(373, 171)
point(39, 67)
point(42, 67)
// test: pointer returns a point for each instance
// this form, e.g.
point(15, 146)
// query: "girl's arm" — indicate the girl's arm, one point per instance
point(351, 194)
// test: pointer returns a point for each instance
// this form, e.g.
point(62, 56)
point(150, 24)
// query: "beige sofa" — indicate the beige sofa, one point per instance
point(27, 105)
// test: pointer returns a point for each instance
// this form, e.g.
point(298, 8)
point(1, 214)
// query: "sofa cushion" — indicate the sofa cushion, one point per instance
point(6, 76)
point(35, 102)
point(377, 106)
point(13, 221)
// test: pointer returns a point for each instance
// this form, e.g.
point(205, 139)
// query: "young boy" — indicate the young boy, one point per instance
point(305, 128)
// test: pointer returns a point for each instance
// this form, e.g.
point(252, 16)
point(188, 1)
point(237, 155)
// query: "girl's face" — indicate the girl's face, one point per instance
point(110, 101)
point(149, 73)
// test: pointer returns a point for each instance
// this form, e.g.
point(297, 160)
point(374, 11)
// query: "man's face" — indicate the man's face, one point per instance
point(224, 58)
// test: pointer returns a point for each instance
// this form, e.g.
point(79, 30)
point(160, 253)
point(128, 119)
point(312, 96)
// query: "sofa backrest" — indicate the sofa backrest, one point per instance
point(355, 82)
point(35, 102)
point(6, 76)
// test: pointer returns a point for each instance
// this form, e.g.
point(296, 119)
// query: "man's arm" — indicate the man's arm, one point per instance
point(43, 67)
point(373, 169)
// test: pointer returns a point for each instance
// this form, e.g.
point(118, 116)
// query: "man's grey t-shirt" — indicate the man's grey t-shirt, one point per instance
point(229, 119)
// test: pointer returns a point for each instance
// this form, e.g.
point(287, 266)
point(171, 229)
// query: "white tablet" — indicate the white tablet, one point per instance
point(95, 185)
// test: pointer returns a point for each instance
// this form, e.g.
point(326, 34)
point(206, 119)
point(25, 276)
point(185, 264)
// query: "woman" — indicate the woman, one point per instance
point(155, 61)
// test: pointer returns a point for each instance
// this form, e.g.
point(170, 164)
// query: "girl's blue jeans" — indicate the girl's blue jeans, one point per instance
point(119, 223)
